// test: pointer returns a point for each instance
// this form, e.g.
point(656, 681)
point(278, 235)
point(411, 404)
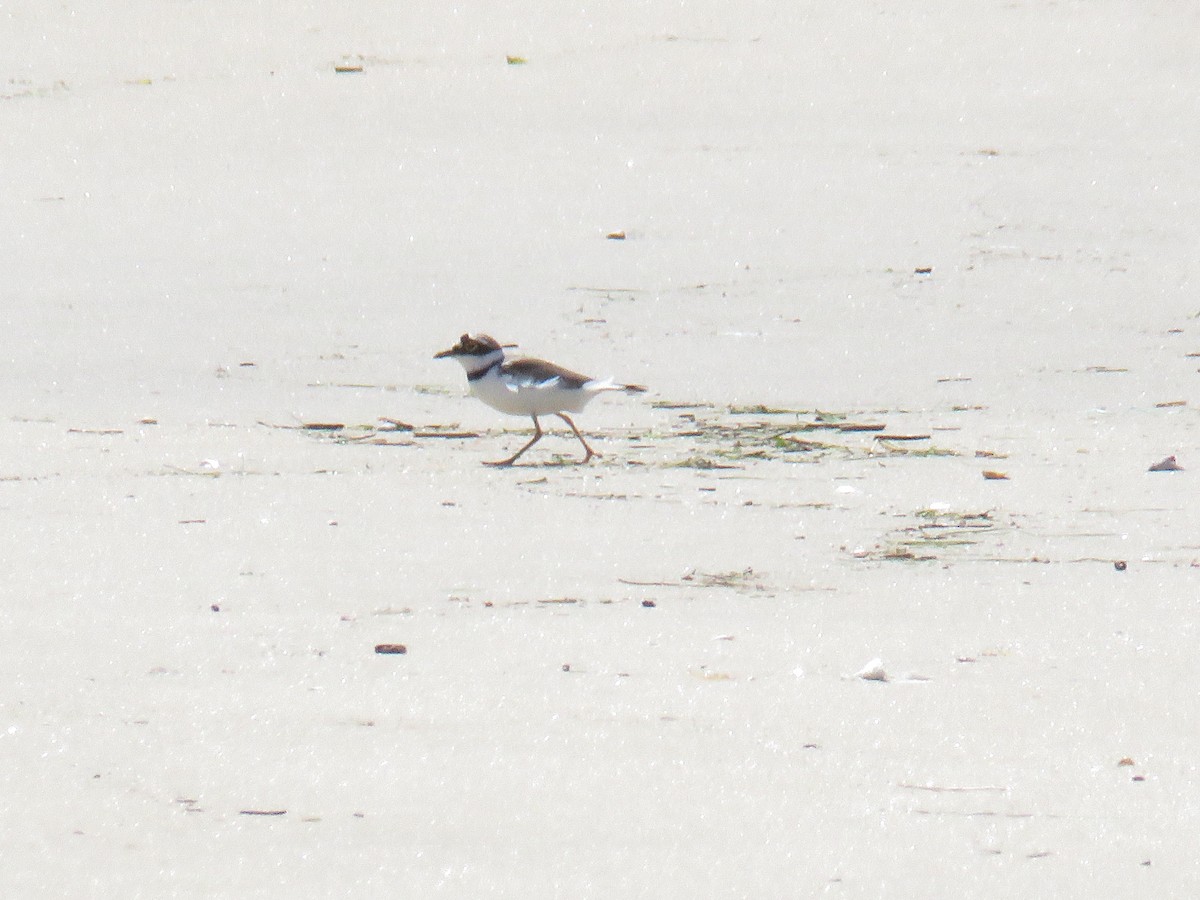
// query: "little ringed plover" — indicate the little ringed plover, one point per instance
point(527, 386)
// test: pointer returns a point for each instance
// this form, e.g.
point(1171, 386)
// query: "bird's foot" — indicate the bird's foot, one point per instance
point(500, 463)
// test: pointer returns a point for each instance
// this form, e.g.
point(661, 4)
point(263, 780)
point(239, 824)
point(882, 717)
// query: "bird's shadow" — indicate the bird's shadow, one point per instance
point(560, 463)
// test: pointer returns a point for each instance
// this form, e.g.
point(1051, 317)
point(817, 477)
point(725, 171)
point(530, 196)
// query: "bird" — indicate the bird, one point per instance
point(527, 386)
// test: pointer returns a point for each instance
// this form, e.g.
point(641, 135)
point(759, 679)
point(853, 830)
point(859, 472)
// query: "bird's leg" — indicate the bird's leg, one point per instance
point(590, 451)
point(537, 436)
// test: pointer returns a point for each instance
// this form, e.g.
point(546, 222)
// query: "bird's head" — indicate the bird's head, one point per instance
point(472, 345)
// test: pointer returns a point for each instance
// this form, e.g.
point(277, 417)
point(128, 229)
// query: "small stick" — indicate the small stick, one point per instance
point(940, 789)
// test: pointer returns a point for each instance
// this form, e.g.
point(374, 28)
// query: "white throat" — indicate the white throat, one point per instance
point(477, 364)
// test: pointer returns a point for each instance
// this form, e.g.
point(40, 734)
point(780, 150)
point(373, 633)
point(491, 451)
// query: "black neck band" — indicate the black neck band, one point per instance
point(475, 376)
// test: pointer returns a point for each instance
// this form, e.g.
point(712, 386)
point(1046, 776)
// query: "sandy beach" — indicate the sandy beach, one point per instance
point(872, 594)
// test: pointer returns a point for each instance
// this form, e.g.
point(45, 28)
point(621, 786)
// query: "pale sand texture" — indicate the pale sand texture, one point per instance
point(190, 186)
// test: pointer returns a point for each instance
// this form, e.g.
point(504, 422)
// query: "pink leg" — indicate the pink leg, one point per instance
point(590, 451)
point(537, 436)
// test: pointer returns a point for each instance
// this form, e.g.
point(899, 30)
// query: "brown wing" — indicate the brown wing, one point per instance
point(535, 371)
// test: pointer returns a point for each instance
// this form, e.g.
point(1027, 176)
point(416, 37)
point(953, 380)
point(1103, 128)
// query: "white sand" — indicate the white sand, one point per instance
point(191, 606)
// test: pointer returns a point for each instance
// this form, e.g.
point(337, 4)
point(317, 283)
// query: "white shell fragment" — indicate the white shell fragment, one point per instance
point(872, 671)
